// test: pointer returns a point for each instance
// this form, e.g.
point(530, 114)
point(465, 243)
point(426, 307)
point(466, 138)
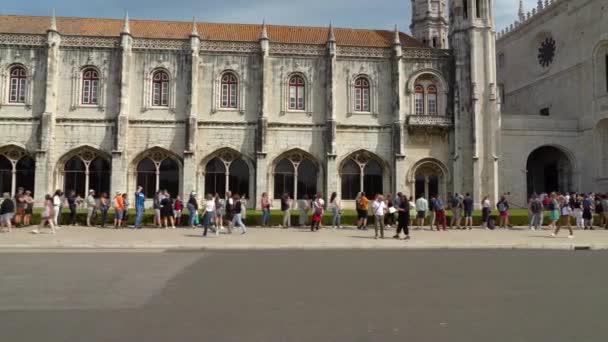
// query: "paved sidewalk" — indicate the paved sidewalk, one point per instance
point(294, 238)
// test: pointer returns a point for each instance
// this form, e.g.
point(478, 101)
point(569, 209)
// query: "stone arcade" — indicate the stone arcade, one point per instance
point(110, 104)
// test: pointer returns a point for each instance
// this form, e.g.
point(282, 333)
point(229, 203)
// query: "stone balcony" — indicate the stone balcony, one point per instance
point(429, 123)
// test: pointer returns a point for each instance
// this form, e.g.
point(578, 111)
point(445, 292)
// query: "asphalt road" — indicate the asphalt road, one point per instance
point(358, 295)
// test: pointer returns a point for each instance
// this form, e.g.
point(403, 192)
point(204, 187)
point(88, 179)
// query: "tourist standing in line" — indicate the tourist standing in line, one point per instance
point(503, 211)
point(57, 207)
point(166, 210)
point(47, 215)
point(336, 210)
point(456, 207)
point(467, 206)
point(265, 205)
point(363, 211)
point(303, 208)
point(553, 208)
point(535, 207)
point(219, 214)
point(403, 220)
point(604, 202)
point(577, 210)
point(421, 208)
point(91, 208)
point(72, 205)
point(440, 218)
point(564, 208)
point(238, 212)
point(431, 211)
point(286, 209)
point(104, 205)
point(192, 209)
point(229, 211)
point(140, 200)
point(7, 210)
point(20, 204)
point(29, 207)
point(413, 212)
point(126, 204)
point(178, 206)
point(318, 207)
point(156, 205)
point(485, 212)
point(209, 213)
point(389, 218)
point(587, 212)
point(379, 209)
point(119, 209)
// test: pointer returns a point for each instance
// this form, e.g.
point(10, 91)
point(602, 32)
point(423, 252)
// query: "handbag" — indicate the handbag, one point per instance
point(196, 221)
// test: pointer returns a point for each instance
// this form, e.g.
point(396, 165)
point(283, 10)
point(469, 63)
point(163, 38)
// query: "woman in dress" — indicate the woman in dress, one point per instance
point(265, 205)
point(413, 212)
point(336, 207)
point(553, 208)
point(218, 217)
point(166, 210)
point(47, 215)
point(57, 207)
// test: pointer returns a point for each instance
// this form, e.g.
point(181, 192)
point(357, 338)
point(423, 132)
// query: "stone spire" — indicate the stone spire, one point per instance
point(521, 12)
point(396, 39)
point(125, 26)
point(331, 36)
point(53, 25)
point(264, 33)
point(194, 32)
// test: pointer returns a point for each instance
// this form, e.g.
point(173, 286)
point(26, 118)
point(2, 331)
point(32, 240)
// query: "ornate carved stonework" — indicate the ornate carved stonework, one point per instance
point(297, 49)
point(415, 53)
point(221, 46)
point(161, 44)
point(363, 52)
point(429, 121)
point(90, 42)
point(22, 39)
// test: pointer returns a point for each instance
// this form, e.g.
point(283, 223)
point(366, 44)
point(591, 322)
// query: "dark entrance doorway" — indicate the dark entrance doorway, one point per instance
point(548, 169)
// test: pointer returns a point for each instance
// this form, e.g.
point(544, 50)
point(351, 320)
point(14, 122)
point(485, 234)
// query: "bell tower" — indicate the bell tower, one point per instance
point(430, 23)
point(476, 107)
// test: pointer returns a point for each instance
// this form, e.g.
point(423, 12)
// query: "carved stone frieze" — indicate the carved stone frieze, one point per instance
point(363, 52)
point(223, 46)
point(22, 39)
point(415, 53)
point(297, 49)
point(90, 42)
point(161, 44)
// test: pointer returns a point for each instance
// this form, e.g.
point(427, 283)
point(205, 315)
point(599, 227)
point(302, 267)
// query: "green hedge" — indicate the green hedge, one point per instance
point(254, 218)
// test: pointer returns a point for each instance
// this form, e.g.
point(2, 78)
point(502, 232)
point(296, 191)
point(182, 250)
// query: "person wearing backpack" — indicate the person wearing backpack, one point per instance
point(503, 210)
point(535, 210)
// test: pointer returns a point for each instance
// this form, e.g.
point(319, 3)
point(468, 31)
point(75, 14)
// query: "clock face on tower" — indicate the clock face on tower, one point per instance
point(546, 52)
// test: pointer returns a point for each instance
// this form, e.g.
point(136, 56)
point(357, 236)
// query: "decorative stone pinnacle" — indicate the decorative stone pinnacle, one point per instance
point(194, 29)
point(264, 33)
point(331, 36)
point(396, 39)
point(125, 27)
point(53, 25)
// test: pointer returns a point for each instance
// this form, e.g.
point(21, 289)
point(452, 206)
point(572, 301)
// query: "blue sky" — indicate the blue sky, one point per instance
point(344, 13)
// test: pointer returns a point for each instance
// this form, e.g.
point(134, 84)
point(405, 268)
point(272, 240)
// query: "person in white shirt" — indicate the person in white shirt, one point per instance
point(379, 208)
point(336, 207)
point(209, 214)
point(318, 206)
point(57, 207)
point(422, 206)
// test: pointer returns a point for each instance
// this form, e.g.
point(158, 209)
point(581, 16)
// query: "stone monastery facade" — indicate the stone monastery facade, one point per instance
point(109, 104)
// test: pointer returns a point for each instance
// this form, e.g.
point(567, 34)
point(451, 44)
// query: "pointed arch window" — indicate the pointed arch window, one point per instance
point(419, 100)
point(17, 85)
point(297, 92)
point(362, 94)
point(90, 86)
point(229, 96)
point(360, 173)
point(431, 99)
point(160, 88)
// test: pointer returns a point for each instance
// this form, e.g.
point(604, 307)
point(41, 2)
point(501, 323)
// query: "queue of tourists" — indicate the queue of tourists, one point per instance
point(223, 214)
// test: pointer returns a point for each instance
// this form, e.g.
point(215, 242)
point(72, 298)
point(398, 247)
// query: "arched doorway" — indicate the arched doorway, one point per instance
point(297, 174)
point(361, 172)
point(17, 169)
point(428, 177)
point(225, 170)
point(83, 170)
point(548, 169)
point(158, 170)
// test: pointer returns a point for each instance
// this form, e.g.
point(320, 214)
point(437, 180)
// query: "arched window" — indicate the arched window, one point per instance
point(239, 178)
point(215, 177)
point(361, 173)
point(6, 171)
point(362, 95)
point(158, 172)
point(284, 178)
point(229, 91)
point(431, 99)
point(83, 168)
point(99, 175)
point(90, 86)
point(297, 91)
point(307, 179)
point(26, 171)
point(419, 100)
point(75, 176)
point(160, 88)
point(18, 85)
